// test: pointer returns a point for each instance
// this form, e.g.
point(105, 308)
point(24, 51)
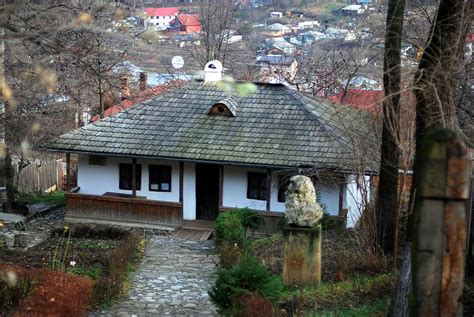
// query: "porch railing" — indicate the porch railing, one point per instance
point(119, 209)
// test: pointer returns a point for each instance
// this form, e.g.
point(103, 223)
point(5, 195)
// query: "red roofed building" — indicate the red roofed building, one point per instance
point(161, 17)
point(369, 100)
point(142, 95)
point(187, 23)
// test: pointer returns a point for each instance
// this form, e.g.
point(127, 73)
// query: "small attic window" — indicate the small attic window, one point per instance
point(226, 107)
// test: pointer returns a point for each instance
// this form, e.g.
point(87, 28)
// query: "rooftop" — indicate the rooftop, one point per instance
point(275, 126)
point(160, 12)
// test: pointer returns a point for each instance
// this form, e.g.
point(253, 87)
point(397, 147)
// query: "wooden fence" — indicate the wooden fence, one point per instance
point(38, 177)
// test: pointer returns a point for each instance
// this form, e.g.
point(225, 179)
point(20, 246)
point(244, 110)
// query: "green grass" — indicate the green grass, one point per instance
point(379, 308)
point(101, 245)
point(57, 198)
point(353, 297)
point(266, 241)
point(94, 272)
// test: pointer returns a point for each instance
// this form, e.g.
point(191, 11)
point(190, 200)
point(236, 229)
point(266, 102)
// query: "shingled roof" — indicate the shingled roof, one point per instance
point(275, 126)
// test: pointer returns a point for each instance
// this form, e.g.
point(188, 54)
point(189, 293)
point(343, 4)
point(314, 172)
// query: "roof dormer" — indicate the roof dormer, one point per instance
point(226, 107)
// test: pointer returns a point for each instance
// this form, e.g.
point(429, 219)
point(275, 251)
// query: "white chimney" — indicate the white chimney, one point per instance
point(213, 71)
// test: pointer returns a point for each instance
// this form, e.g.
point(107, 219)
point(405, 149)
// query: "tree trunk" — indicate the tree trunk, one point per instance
point(9, 179)
point(400, 306)
point(387, 196)
point(436, 81)
point(6, 133)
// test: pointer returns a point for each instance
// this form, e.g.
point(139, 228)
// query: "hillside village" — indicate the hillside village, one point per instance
point(236, 158)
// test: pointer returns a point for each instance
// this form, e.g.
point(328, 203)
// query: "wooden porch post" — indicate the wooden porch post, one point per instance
point(341, 198)
point(269, 188)
point(134, 177)
point(221, 185)
point(68, 172)
point(181, 178)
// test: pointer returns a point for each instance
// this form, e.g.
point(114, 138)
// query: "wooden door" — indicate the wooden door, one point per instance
point(207, 191)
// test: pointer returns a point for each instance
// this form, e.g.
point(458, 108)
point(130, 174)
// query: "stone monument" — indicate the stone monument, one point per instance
point(302, 234)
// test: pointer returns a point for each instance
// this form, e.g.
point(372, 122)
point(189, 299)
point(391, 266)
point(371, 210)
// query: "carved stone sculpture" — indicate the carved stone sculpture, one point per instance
point(301, 206)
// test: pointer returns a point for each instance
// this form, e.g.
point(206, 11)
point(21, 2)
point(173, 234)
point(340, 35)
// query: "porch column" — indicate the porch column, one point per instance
point(341, 198)
point(134, 177)
point(269, 188)
point(68, 172)
point(221, 185)
point(181, 179)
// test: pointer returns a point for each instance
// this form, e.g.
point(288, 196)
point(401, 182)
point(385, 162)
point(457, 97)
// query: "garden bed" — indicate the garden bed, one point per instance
point(344, 255)
point(354, 274)
point(103, 255)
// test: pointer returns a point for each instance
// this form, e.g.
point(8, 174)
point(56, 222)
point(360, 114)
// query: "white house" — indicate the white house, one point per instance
point(160, 17)
point(201, 149)
point(276, 14)
point(277, 29)
point(353, 9)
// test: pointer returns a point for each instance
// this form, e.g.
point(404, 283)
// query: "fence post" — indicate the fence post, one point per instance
point(440, 222)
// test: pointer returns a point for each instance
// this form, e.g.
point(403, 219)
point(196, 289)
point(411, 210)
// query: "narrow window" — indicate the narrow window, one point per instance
point(125, 180)
point(160, 178)
point(257, 186)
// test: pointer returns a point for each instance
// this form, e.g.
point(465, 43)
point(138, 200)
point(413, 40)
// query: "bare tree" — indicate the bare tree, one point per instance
point(387, 198)
point(436, 89)
point(217, 19)
point(53, 50)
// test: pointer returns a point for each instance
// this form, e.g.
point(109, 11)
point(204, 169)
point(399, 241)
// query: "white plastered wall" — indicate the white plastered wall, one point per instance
point(97, 180)
point(189, 191)
point(235, 191)
point(356, 197)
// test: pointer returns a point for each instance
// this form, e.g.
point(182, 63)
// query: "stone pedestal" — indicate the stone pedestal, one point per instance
point(302, 256)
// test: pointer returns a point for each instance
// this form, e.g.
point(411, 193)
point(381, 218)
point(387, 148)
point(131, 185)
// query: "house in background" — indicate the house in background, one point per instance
point(186, 24)
point(368, 100)
point(199, 150)
point(276, 14)
point(160, 17)
point(279, 46)
point(276, 67)
point(277, 29)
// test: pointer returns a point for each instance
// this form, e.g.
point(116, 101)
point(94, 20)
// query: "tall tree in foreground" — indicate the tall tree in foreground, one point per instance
point(436, 89)
point(387, 195)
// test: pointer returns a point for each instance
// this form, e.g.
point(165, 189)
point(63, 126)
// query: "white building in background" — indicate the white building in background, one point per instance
point(160, 17)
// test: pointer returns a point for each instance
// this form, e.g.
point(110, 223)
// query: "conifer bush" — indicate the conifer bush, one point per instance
point(250, 218)
point(229, 229)
point(249, 275)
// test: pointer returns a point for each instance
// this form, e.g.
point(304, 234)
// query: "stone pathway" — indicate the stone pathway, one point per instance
point(172, 280)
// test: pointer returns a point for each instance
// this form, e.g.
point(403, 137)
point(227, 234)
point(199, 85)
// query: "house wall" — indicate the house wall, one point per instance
point(357, 194)
point(189, 191)
point(163, 21)
point(96, 180)
point(235, 191)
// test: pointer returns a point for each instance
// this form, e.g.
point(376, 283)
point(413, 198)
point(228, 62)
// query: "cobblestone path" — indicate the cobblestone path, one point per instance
point(173, 279)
